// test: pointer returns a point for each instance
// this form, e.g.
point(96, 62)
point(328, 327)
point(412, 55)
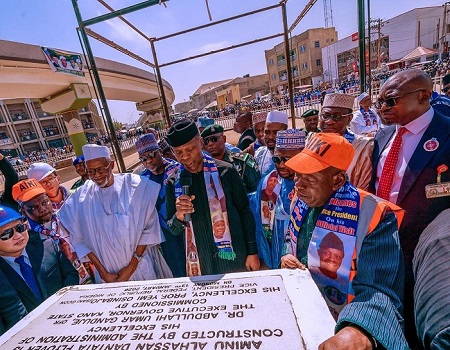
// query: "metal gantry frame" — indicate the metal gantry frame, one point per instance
point(84, 32)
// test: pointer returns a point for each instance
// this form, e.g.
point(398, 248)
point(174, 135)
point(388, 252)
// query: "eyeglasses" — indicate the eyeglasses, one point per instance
point(44, 203)
point(149, 155)
point(48, 182)
point(209, 139)
point(7, 234)
point(335, 117)
point(392, 101)
point(278, 160)
point(444, 90)
point(100, 170)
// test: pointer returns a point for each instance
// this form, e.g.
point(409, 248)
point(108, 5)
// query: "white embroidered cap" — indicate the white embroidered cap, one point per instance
point(92, 151)
point(362, 97)
point(277, 117)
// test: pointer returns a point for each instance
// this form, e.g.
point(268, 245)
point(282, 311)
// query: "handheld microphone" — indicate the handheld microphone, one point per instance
point(185, 182)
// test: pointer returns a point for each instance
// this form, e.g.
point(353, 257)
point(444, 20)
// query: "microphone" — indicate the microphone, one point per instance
point(185, 182)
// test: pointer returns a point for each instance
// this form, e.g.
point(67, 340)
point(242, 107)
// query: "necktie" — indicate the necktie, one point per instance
point(387, 174)
point(28, 276)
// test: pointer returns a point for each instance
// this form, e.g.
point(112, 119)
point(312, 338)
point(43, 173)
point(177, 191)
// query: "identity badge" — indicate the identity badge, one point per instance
point(439, 189)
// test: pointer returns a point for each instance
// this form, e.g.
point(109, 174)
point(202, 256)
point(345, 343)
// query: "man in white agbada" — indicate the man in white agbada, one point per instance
point(113, 222)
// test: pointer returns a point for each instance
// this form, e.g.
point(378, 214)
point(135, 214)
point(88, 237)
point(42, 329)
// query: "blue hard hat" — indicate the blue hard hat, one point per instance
point(8, 215)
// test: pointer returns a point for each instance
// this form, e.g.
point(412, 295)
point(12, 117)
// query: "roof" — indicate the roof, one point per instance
point(209, 86)
point(418, 52)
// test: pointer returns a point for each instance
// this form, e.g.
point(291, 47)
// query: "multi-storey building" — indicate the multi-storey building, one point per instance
point(225, 92)
point(25, 127)
point(391, 41)
point(306, 59)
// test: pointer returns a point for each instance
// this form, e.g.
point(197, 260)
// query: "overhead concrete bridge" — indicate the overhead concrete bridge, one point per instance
point(25, 73)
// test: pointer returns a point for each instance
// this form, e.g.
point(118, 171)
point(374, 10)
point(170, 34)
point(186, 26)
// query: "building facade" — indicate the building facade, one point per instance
point(224, 92)
point(391, 41)
point(306, 59)
point(25, 127)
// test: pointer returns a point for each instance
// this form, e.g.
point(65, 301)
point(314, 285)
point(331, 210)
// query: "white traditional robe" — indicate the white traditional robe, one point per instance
point(111, 222)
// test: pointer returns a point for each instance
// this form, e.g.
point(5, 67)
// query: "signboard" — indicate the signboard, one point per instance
point(63, 61)
point(235, 311)
point(355, 36)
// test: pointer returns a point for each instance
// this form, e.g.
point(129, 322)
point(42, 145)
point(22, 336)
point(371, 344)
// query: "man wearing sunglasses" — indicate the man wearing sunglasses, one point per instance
point(270, 230)
point(35, 268)
point(160, 170)
point(335, 117)
point(214, 142)
point(408, 156)
point(50, 181)
point(112, 221)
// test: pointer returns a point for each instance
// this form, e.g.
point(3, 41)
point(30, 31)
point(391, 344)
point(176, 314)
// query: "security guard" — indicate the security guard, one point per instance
point(311, 120)
point(214, 142)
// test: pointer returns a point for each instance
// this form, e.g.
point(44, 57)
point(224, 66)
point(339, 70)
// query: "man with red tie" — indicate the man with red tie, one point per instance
point(410, 162)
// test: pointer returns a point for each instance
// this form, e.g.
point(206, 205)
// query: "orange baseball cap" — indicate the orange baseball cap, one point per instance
point(323, 150)
point(26, 190)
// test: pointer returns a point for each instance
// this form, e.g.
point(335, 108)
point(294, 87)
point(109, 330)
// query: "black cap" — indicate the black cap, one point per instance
point(181, 132)
point(310, 113)
point(331, 240)
point(212, 130)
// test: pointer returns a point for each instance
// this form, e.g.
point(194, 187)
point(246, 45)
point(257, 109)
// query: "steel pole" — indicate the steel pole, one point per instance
point(287, 51)
point(160, 83)
point(362, 45)
point(101, 93)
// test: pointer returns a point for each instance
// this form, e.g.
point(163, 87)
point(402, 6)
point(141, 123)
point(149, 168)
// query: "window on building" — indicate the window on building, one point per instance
point(318, 63)
point(316, 44)
point(302, 48)
point(281, 60)
point(293, 55)
point(274, 76)
point(271, 62)
point(295, 71)
point(304, 65)
point(283, 75)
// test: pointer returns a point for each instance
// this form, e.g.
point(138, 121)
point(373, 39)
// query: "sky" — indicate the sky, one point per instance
point(53, 24)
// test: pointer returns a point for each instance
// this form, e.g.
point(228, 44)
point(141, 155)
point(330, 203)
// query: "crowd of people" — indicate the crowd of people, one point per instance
point(359, 198)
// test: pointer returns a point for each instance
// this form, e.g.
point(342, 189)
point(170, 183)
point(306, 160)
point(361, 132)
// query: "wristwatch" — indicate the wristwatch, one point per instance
point(137, 256)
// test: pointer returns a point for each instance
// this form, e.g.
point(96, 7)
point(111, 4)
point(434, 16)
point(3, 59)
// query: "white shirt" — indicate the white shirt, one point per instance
point(111, 222)
point(12, 262)
point(410, 141)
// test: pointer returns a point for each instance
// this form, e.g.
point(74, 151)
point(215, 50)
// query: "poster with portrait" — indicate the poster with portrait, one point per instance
point(329, 261)
point(64, 62)
point(270, 190)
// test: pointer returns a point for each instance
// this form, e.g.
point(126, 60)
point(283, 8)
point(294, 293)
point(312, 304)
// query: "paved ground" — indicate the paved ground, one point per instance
point(69, 176)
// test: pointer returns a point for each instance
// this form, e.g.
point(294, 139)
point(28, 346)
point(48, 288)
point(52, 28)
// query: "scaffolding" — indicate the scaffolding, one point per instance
point(84, 33)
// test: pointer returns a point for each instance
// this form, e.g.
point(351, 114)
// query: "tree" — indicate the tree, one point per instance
point(117, 125)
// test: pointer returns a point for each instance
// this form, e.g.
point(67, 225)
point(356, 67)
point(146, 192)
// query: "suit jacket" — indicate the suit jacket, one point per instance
point(11, 308)
point(420, 211)
point(52, 270)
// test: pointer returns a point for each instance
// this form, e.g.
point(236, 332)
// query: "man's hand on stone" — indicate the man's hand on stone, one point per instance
point(252, 262)
point(125, 274)
point(109, 277)
point(183, 205)
point(291, 262)
point(348, 338)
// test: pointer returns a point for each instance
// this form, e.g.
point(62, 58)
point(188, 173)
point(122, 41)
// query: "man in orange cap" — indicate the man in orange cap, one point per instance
point(363, 292)
point(35, 204)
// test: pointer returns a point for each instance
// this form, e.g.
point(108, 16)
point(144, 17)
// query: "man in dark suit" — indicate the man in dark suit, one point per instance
point(408, 155)
point(34, 268)
point(243, 126)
